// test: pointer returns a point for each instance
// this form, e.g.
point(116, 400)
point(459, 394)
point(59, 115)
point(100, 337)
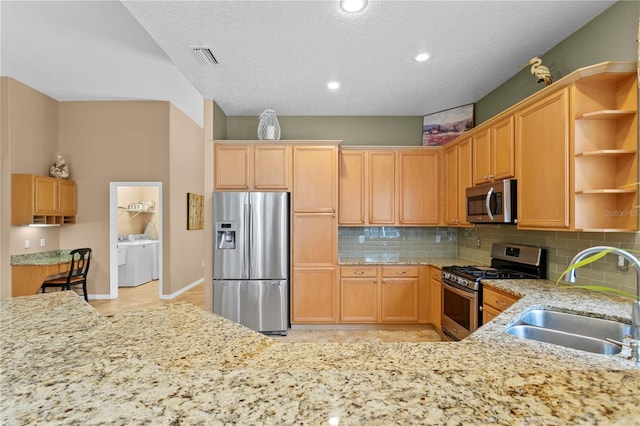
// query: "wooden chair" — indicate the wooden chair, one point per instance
point(80, 259)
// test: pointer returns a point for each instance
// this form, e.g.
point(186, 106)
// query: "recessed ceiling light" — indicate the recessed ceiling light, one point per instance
point(352, 6)
point(333, 85)
point(421, 57)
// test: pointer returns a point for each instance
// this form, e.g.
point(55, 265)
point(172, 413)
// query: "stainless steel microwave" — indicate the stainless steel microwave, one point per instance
point(493, 202)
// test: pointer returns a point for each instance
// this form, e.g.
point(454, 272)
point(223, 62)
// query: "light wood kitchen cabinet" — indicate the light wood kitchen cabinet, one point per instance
point(493, 152)
point(495, 301)
point(399, 294)
point(380, 294)
point(352, 199)
point(542, 138)
point(382, 188)
point(314, 250)
point(606, 152)
point(458, 166)
point(42, 200)
point(389, 187)
point(418, 187)
point(367, 187)
point(315, 239)
point(359, 298)
point(314, 296)
point(315, 176)
point(435, 297)
point(248, 167)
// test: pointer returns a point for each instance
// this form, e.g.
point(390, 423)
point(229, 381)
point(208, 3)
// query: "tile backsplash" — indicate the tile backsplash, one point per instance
point(389, 243)
point(561, 248)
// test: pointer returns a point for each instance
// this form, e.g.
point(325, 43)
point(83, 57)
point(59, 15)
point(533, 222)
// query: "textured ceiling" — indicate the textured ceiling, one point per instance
point(280, 54)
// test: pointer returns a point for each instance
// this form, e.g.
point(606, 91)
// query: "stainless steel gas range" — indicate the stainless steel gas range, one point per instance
point(462, 287)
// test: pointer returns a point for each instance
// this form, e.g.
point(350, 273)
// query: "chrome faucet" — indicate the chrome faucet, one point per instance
point(635, 307)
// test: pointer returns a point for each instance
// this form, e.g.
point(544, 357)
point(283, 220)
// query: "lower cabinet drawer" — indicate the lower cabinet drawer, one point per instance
point(497, 299)
point(400, 271)
point(358, 271)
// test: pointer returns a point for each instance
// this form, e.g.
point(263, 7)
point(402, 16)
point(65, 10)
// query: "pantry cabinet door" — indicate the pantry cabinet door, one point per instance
point(315, 179)
point(314, 296)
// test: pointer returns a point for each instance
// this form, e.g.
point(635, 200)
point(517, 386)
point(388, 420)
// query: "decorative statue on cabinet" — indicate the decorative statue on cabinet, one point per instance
point(541, 72)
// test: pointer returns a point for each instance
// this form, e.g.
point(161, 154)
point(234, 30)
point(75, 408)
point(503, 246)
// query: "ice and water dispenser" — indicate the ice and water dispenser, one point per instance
point(225, 235)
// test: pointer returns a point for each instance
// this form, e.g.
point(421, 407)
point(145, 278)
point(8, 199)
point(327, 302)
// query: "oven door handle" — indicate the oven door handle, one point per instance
point(488, 203)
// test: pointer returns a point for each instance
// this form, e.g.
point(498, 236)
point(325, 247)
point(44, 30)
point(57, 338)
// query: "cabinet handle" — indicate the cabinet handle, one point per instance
point(491, 176)
point(359, 272)
point(400, 272)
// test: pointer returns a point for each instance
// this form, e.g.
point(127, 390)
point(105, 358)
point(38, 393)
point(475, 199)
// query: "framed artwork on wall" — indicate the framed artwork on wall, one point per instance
point(195, 211)
point(442, 127)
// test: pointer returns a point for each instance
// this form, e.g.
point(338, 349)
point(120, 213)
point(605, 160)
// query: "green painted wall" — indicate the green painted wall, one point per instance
point(610, 36)
point(219, 122)
point(352, 130)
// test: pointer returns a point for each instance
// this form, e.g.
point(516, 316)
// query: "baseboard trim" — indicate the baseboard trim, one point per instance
point(182, 290)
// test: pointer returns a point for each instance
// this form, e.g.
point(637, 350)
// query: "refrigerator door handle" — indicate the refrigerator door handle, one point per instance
point(247, 240)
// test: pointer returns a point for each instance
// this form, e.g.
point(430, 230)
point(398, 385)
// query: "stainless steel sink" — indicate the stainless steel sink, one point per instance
point(560, 338)
point(571, 331)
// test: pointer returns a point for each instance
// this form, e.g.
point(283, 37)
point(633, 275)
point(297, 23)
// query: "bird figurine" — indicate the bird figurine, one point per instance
point(540, 71)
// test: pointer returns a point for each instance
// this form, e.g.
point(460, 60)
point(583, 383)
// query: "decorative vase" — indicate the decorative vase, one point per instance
point(268, 126)
point(59, 169)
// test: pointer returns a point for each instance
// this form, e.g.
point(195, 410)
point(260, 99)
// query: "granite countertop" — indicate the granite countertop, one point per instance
point(51, 257)
point(382, 260)
point(62, 363)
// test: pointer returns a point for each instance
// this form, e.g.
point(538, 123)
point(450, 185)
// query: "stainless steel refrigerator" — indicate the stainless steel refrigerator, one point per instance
point(251, 259)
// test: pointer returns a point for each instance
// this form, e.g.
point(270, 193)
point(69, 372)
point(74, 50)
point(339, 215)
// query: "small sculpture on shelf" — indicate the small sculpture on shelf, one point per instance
point(59, 169)
point(541, 72)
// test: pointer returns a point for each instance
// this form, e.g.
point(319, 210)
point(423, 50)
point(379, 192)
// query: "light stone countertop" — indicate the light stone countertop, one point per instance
point(50, 257)
point(432, 261)
point(62, 363)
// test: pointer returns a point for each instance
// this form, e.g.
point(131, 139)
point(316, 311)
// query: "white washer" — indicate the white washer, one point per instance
point(141, 261)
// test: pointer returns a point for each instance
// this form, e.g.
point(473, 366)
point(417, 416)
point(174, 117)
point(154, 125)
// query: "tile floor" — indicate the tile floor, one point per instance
point(147, 296)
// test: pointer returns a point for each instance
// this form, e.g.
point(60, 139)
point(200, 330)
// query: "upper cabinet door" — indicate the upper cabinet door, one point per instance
point(502, 152)
point(482, 157)
point(382, 187)
point(351, 188)
point(232, 167)
point(46, 196)
point(315, 179)
point(542, 138)
point(419, 187)
point(67, 198)
point(272, 167)
point(452, 189)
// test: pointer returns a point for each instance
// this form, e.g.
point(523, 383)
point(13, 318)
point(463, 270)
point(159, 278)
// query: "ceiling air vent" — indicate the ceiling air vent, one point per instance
point(204, 55)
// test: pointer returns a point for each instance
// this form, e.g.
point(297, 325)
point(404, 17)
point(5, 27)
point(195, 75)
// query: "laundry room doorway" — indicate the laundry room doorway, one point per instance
point(135, 235)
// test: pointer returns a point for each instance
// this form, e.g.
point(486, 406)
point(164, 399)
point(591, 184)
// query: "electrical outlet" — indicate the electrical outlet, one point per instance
point(478, 242)
point(622, 264)
point(438, 239)
point(43, 242)
point(26, 244)
point(360, 239)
